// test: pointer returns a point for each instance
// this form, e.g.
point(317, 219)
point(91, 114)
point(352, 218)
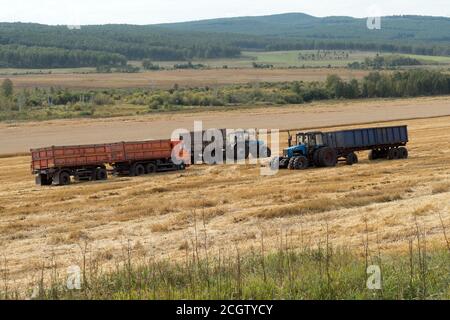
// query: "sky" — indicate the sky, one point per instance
point(82, 12)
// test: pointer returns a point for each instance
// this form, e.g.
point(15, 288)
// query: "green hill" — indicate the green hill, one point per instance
point(413, 28)
point(26, 45)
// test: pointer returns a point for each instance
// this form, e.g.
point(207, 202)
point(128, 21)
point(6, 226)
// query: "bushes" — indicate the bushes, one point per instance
point(398, 84)
point(406, 84)
point(189, 65)
point(101, 99)
point(148, 65)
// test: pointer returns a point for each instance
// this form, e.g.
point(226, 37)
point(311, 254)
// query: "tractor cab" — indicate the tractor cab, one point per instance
point(246, 143)
point(305, 144)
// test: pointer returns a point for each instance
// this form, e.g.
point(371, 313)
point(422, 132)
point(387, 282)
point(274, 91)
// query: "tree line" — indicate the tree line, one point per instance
point(385, 62)
point(132, 42)
point(158, 43)
point(17, 56)
point(375, 85)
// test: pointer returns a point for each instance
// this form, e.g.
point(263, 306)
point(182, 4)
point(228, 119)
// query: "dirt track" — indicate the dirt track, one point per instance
point(18, 138)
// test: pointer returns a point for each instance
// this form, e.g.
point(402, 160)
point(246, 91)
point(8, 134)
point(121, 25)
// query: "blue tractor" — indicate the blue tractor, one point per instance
point(325, 149)
point(309, 149)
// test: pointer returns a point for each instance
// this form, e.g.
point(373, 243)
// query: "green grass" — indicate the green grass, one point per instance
point(291, 58)
point(16, 71)
point(430, 59)
point(279, 59)
point(286, 59)
point(323, 273)
point(70, 112)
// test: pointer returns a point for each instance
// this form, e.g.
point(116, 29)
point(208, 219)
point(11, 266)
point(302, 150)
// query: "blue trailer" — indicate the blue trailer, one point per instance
point(325, 149)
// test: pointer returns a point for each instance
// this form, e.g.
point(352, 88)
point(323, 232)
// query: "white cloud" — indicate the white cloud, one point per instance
point(158, 11)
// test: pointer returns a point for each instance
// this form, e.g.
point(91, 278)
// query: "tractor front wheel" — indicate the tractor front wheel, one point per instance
point(291, 163)
point(301, 163)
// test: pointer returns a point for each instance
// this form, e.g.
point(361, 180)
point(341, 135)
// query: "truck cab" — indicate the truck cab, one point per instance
point(246, 143)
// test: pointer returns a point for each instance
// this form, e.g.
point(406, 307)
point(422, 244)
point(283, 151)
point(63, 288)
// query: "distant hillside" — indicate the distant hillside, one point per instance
point(275, 25)
point(133, 42)
point(407, 34)
point(413, 28)
point(26, 45)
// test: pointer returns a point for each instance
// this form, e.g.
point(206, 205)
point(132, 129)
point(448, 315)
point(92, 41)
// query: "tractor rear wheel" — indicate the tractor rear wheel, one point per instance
point(316, 158)
point(301, 163)
point(327, 157)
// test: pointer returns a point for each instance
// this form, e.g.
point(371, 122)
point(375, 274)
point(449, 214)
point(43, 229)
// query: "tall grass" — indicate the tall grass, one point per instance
point(322, 272)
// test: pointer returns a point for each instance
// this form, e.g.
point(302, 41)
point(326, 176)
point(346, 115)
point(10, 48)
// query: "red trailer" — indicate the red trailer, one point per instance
point(56, 165)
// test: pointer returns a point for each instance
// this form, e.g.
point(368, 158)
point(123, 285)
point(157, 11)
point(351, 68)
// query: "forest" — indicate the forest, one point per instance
point(17, 56)
point(129, 42)
point(42, 46)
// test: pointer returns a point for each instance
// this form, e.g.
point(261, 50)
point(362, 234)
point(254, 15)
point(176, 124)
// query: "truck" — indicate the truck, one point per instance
point(57, 165)
point(325, 149)
point(237, 145)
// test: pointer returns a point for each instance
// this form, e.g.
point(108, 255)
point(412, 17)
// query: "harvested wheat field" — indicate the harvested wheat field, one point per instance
point(160, 215)
point(19, 137)
point(184, 78)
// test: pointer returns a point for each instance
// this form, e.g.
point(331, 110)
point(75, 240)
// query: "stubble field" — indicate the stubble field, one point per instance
point(161, 215)
point(185, 78)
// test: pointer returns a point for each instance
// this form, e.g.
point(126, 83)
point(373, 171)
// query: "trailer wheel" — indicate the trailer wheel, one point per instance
point(403, 153)
point(301, 163)
point(101, 174)
point(351, 159)
point(139, 170)
point(373, 155)
point(64, 178)
point(327, 157)
point(150, 168)
point(394, 154)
